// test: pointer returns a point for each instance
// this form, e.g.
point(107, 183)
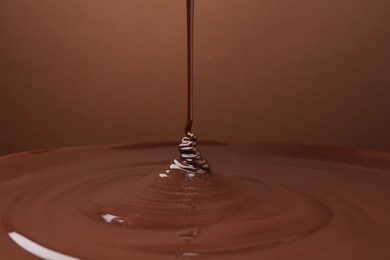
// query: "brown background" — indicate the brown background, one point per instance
point(81, 72)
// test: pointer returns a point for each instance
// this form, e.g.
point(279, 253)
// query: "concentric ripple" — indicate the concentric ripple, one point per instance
point(263, 201)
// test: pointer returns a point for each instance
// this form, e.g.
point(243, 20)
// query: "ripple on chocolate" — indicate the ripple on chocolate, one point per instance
point(261, 201)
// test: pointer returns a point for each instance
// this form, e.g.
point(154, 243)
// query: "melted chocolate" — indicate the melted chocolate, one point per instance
point(263, 201)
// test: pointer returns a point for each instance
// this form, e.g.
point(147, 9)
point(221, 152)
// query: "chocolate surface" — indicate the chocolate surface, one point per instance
point(261, 201)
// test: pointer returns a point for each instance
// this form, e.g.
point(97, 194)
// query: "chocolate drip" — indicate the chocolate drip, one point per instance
point(191, 159)
point(190, 63)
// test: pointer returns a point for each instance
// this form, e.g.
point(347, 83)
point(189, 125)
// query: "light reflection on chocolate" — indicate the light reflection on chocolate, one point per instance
point(37, 249)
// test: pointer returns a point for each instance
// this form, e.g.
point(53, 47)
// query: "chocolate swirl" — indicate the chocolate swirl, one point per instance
point(191, 160)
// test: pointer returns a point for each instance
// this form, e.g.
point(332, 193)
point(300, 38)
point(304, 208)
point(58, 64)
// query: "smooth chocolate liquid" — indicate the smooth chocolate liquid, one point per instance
point(262, 201)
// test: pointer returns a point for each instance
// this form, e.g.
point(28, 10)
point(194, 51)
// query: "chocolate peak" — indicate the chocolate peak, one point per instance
point(191, 160)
